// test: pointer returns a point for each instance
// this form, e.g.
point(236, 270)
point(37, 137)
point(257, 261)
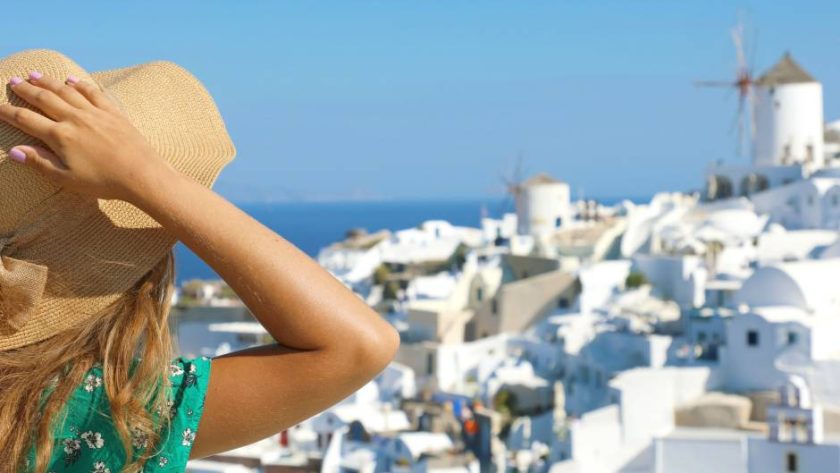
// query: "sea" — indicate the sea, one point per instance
point(314, 225)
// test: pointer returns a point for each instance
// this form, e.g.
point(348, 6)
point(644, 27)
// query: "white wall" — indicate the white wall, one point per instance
point(542, 205)
point(454, 361)
point(600, 281)
point(750, 368)
point(771, 457)
point(700, 455)
point(789, 115)
point(671, 276)
point(596, 438)
point(648, 397)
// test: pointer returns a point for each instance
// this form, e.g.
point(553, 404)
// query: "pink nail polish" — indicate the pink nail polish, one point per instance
point(17, 155)
point(72, 79)
point(15, 80)
point(35, 75)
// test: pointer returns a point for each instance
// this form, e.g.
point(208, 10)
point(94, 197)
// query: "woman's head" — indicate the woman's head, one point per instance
point(135, 326)
point(70, 205)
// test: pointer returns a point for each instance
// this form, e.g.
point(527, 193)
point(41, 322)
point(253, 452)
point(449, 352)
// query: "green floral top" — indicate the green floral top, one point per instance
point(88, 442)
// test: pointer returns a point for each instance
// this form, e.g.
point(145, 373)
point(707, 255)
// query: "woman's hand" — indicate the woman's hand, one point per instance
point(93, 147)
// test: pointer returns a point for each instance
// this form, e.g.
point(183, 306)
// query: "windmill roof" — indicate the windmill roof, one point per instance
point(786, 71)
point(541, 178)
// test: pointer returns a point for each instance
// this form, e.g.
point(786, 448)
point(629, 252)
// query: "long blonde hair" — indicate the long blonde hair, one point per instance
point(136, 325)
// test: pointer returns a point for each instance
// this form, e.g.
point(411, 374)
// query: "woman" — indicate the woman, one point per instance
point(330, 343)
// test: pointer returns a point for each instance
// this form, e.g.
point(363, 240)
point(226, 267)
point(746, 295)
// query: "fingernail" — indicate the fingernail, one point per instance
point(17, 155)
point(35, 75)
point(15, 80)
point(72, 79)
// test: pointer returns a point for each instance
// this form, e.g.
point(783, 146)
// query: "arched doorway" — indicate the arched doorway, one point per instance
point(718, 187)
point(753, 183)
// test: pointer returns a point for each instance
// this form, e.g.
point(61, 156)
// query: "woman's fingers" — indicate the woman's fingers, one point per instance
point(64, 91)
point(28, 121)
point(46, 100)
point(41, 159)
point(93, 94)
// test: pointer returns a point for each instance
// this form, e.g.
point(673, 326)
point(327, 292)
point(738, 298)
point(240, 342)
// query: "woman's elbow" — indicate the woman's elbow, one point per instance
point(375, 350)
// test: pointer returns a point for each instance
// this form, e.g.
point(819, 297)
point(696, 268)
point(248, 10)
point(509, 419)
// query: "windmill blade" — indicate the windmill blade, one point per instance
point(741, 134)
point(751, 102)
point(504, 205)
point(734, 130)
point(752, 53)
point(517, 173)
point(507, 182)
point(737, 39)
point(511, 187)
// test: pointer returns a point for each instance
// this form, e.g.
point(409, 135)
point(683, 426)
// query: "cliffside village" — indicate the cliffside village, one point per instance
point(701, 328)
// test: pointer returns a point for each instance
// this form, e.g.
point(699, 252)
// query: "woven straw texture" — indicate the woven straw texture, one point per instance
point(86, 252)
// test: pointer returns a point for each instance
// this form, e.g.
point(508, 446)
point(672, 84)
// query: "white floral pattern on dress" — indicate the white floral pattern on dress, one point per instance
point(188, 436)
point(93, 439)
point(92, 382)
point(175, 370)
point(100, 467)
point(89, 443)
point(72, 450)
point(139, 439)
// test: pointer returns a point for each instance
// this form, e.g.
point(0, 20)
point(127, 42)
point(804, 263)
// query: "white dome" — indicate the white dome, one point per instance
point(800, 284)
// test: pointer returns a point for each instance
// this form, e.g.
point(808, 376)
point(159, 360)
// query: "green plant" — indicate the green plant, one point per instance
point(186, 300)
point(505, 402)
point(392, 288)
point(381, 274)
point(227, 292)
point(459, 256)
point(193, 286)
point(635, 279)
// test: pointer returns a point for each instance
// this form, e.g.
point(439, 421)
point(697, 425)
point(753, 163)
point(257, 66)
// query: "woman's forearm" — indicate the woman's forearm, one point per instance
point(298, 302)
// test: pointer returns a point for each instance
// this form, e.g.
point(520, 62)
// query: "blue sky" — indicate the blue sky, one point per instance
point(426, 100)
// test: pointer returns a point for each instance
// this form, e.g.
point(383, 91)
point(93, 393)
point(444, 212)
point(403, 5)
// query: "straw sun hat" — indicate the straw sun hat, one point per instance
point(64, 256)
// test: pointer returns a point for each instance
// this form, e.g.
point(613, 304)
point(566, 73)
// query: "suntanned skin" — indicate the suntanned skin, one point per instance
point(330, 342)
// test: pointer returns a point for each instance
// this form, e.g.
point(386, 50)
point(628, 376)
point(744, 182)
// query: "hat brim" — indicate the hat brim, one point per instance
point(97, 249)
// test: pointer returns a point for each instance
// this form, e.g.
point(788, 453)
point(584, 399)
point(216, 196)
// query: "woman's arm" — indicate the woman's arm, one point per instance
point(330, 342)
point(333, 342)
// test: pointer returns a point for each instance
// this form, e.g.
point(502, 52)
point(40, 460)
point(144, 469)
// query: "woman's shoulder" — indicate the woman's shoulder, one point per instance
point(87, 428)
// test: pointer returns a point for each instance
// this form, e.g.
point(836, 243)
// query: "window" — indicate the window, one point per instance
point(792, 337)
point(563, 303)
point(752, 338)
point(479, 294)
point(834, 200)
point(494, 307)
point(701, 337)
point(558, 222)
point(430, 363)
point(792, 463)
